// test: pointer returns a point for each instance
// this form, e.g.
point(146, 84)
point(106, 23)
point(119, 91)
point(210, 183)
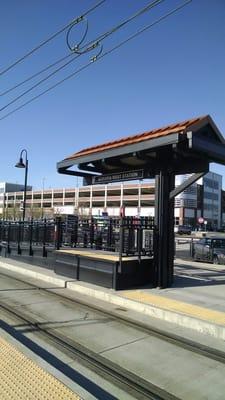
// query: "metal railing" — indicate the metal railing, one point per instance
point(127, 235)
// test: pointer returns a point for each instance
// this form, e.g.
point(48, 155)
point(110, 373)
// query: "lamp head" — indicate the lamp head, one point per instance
point(20, 164)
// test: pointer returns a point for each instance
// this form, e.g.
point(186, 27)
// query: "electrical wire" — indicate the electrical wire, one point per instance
point(50, 38)
point(38, 83)
point(139, 32)
point(94, 45)
point(37, 74)
point(81, 51)
point(86, 48)
point(104, 35)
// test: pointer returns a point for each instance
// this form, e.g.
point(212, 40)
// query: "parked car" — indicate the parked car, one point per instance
point(182, 229)
point(210, 249)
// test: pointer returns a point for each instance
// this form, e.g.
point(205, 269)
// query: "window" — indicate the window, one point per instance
point(58, 195)
point(211, 196)
point(70, 194)
point(37, 196)
point(211, 183)
point(211, 207)
point(47, 196)
point(47, 205)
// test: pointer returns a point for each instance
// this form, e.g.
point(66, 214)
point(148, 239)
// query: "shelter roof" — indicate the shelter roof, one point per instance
point(163, 131)
point(183, 147)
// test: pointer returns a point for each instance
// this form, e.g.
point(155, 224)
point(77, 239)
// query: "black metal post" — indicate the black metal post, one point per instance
point(58, 233)
point(78, 267)
point(164, 219)
point(192, 248)
point(139, 240)
point(115, 275)
point(91, 227)
point(171, 237)
point(44, 252)
point(21, 164)
point(75, 232)
point(121, 242)
point(31, 238)
point(25, 189)
point(19, 238)
point(8, 239)
point(109, 234)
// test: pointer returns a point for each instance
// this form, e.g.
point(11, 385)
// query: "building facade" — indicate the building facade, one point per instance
point(202, 199)
point(211, 199)
point(137, 199)
point(5, 189)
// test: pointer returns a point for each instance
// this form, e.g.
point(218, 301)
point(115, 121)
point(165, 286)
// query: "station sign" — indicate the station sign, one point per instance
point(119, 177)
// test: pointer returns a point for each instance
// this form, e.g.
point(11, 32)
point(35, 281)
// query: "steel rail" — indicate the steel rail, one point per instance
point(179, 341)
point(136, 385)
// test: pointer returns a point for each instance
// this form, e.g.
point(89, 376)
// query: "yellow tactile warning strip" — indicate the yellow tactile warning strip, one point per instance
point(97, 256)
point(190, 310)
point(21, 378)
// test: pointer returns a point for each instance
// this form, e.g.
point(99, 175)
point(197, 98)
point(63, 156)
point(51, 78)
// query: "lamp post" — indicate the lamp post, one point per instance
point(21, 164)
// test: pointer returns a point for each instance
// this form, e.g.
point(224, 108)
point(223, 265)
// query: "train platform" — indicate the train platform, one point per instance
point(195, 301)
point(22, 377)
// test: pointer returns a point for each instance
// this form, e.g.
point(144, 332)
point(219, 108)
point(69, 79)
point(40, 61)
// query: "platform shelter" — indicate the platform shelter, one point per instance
point(186, 147)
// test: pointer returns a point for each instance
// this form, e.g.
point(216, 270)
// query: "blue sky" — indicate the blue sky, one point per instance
point(172, 72)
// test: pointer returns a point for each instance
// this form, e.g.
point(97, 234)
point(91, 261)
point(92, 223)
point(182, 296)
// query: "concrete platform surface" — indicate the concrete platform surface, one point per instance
point(196, 301)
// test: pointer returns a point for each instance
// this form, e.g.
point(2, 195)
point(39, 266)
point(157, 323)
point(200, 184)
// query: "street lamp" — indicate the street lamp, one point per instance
point(21, 164)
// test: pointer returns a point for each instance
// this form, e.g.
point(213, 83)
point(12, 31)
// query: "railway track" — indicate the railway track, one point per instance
point(140, 388)
point(131, 383)
point(177, 340)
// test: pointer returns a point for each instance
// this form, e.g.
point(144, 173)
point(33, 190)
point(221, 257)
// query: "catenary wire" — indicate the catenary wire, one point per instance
point(94, 45)
point(139, 32)
point(37, 74)
point(143, 10)
point(83, 50)
point(39, 82)
point(50, 38)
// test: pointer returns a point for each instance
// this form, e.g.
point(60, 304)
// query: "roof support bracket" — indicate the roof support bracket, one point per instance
point(188, 182)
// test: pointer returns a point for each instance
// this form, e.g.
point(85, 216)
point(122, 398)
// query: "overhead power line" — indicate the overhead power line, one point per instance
point(37, 74)
point(38, 83)
point(50, 38)
point(104, 35)
point(87, 47)
point(131, 37)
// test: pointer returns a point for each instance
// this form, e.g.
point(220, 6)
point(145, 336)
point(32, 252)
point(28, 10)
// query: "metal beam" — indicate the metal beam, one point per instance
point(188, 182)
point(215, 151)
point(125, 149)
point(75, 173)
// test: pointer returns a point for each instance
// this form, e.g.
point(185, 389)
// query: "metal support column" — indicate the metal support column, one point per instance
point(164, 220)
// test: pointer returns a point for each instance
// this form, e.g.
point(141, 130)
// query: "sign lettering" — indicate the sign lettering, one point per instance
point(118, 177)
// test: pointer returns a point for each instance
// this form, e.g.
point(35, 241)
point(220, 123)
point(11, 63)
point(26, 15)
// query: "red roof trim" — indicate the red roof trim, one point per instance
point(167, 130)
